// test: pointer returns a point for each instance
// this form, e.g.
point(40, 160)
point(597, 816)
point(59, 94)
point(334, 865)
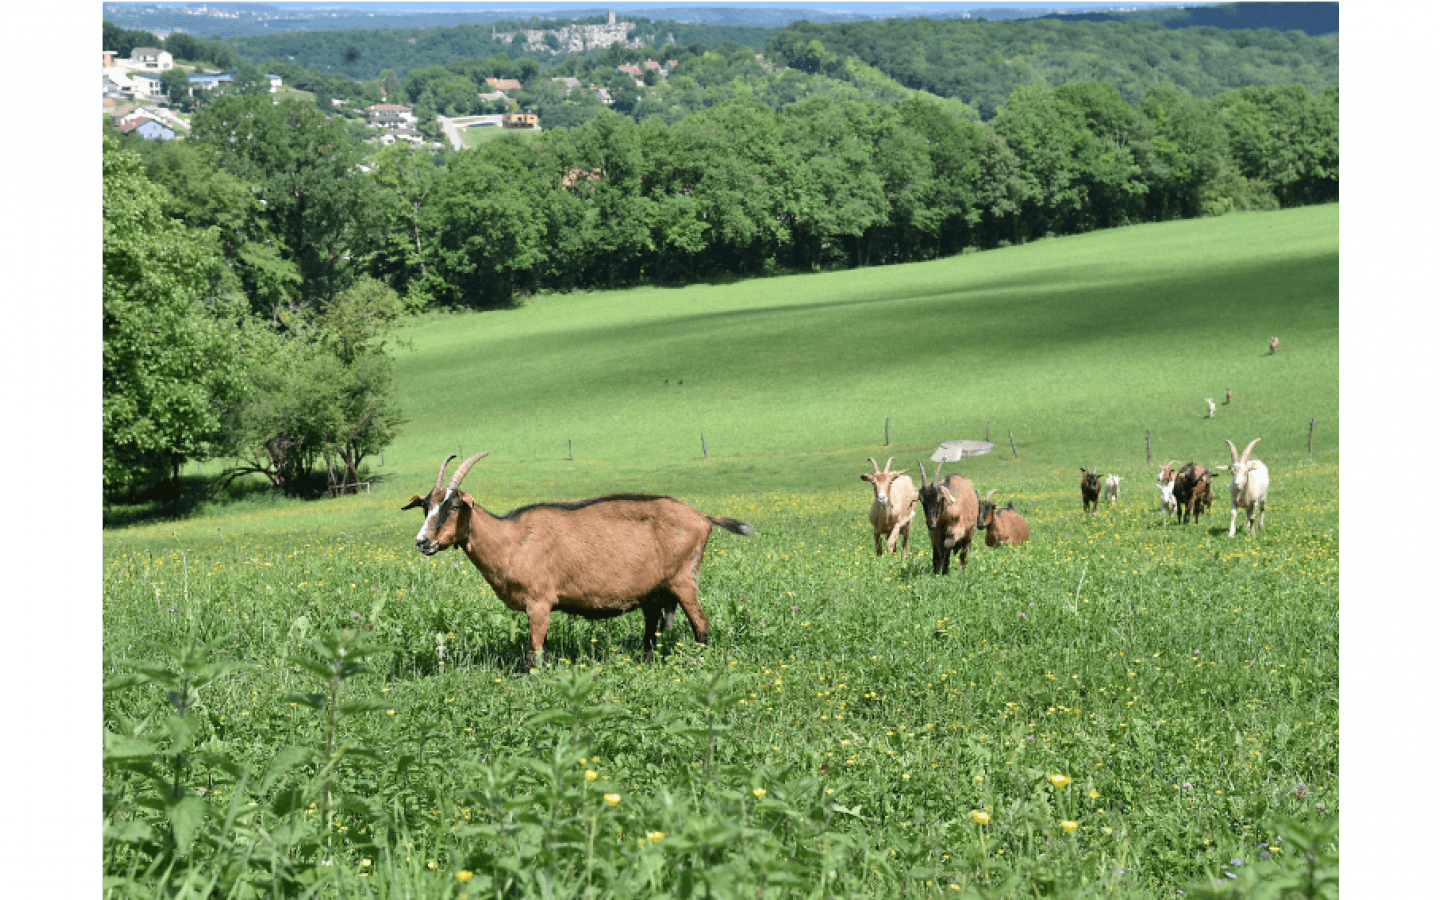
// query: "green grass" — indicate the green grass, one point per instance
point(475, 137)
point(1187, 679)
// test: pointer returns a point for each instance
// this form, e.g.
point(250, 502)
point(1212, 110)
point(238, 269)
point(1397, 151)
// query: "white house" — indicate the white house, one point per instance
point(149, 59)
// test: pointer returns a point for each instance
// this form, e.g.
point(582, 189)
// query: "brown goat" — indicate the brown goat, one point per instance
point(951, 510)
point(1002, 526)
point(1089, 490)
point(596, 558)
point(1188, 479)
point(892, 508)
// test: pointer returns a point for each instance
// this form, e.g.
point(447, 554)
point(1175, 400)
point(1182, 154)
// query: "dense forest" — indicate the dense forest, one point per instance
point(261, 245)
point(365, 54)
point(981, 62)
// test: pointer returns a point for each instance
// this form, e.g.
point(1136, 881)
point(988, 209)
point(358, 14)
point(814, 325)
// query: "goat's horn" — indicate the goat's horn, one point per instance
point(991, 494)
point(440, 478)
point(1234, 454)
point(924, 479)
point(464, 468)
point(938, 466)
point(874, 463)
point(888, 462)
point(1245, 457)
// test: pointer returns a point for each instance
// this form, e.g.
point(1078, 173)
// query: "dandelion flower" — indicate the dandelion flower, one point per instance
point(612, 799)
point(980, 816)
point(1059, 780)
point(1069, 825)
point(591, 775)
point(759, 792)
point(1094, 793)
point(432, 864)
point(655, 836)
point(464, 875)
point(365, 863)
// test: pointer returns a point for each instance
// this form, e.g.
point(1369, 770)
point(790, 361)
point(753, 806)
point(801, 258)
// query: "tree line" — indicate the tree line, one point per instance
point(253, 269)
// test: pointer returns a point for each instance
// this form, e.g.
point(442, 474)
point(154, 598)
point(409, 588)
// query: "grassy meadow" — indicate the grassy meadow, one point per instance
point(1124, 706)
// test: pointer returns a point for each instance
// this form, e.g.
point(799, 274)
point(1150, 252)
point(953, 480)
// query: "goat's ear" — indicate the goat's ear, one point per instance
point(867, 477)
point(414, 502)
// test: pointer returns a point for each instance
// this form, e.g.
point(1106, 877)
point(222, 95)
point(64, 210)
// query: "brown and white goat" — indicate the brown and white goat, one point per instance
point(1249, 487)
point(1112, 488)
point(1189, 479)
point(892, 508)
point(595, 558)
point(1274, 345)
point(1089, 490)
point(1001, 525)
point(951, 511)
point(1166, 481)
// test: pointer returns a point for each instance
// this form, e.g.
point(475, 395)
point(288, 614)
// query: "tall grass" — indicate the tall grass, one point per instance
point(855, 719)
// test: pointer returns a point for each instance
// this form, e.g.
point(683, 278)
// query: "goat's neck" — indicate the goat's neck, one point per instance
point(490, 543)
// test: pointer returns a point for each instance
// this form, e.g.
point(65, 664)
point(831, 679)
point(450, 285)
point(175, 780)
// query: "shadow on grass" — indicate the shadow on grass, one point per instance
point(194, 494)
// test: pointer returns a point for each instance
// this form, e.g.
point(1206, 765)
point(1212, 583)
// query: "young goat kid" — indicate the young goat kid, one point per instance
point(1112, 488)
point(1002, 526)
point(951, 510)
point(893, 507)
point(596, 558)
point(1249, 487)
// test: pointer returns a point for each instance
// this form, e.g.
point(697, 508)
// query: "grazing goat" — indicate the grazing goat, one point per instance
point(1001, 526)
point(596, 558)
point(1274, 345)
point(951, 510)
point(1112, 488)
point(1188, 479)
point(893, 507)
point(1089, 490)
point(1209, 408)
point(1227, 396)
point(1249, 487)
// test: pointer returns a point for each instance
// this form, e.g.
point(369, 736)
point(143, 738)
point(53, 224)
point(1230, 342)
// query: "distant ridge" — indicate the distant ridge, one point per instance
point(1315, 19)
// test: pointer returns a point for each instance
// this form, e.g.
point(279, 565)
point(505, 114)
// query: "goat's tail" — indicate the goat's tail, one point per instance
point(729, 524)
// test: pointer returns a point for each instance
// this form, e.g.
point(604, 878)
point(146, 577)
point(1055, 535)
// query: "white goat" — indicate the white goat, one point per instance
point(1166, 481)
point(1210, 406)
point(893, 507)
point(1249, 488)
point(1112, 488)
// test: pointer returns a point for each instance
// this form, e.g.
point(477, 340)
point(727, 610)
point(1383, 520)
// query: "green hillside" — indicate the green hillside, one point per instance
point(299, 704)
point(1077, 345)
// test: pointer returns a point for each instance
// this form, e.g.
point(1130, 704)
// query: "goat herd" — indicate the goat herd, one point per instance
point(954, 512)
point(605, 556)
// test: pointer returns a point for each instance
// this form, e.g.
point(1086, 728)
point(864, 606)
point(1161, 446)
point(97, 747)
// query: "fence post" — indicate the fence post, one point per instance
point(1013, 451)
point(704, 451)
point(570, 445)
point(1147, 447)
point(887, 431)
point(1312, 437)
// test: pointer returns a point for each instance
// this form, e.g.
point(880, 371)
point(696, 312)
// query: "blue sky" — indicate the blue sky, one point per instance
point(534, 7)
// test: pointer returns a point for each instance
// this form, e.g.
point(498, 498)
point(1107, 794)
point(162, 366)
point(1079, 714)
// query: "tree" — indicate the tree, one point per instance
point(176, 83)
point(317, 394)
point(304, 166)
point(250, 82)
point(407, 177)
point(1189, 147)
point(204, 196)
point(168, 358)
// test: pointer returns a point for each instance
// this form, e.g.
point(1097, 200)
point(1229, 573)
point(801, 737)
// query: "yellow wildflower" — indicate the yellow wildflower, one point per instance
point(1059, 780)
point(1068, 825)
point(464, 875)
point(980, 816)
point(612, 799)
